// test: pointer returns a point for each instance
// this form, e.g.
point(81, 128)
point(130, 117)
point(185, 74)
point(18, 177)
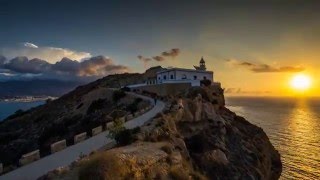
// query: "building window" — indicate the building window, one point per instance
point(164, 77)
point(171, 76)
point(194, 77)
point(204, 77)
point(184, 76)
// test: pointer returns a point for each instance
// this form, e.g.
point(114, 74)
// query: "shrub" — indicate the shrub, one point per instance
point(117, 95)
point(126, 89)
point(18, 113)
point(177, 173)
point(167, 149)
point(95, 106)
point(205, 82)
point(133, 107)
point(122, 135)
point(103, 166)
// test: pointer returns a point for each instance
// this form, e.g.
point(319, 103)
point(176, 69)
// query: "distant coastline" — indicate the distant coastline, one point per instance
point(26, 98)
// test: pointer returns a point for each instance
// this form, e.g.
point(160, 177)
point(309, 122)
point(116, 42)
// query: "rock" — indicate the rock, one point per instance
point(217, 156)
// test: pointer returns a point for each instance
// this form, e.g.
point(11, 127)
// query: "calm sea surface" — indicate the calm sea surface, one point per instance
point(8, 108)
point(293, 126)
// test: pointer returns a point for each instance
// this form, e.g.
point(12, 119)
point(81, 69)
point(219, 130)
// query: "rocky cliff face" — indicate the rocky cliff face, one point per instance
point(195, 138)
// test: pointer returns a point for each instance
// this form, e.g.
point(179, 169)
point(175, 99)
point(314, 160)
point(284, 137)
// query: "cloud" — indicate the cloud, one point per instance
point(264, 68)
point(232, 90)
point(50, 54)
point(100, 66)
point(94, 67)
point(30, 45)
point(239, 91)
point(158, 58)
point(23, 65)
point(171, 53)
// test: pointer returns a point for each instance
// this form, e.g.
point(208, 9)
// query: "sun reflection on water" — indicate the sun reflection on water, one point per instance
point(293, 126)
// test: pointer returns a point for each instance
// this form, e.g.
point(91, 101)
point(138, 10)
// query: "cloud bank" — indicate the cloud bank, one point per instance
point(50, 54)
point(92, 68)
point(264, 68)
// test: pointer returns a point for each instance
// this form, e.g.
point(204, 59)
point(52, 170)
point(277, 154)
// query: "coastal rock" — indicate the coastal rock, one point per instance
point(222, 147)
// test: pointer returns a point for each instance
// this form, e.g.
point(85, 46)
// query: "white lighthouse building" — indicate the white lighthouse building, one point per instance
point(181, 75)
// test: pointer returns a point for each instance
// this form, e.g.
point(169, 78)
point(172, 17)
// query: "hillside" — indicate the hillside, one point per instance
point(79, 111)
point(196, 137)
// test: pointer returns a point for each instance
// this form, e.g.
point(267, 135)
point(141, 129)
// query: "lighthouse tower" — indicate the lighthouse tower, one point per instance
point(202, 64)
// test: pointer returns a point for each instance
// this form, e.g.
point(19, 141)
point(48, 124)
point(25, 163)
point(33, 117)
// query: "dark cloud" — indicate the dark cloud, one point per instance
point(171, 53)
point(158, 58)
point(23, 65)
point(66, 65)
point(265, 68)
point(100, 65)
point(94, 67)
point(246, 64)
point(144, 59)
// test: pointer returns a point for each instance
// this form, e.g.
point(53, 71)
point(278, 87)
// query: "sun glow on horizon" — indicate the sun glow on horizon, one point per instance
point(301, 82)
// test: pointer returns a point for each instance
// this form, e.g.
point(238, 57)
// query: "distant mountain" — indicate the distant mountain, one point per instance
point(37, 87)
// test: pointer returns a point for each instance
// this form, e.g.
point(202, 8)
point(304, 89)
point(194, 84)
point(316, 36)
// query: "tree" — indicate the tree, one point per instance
point(117, 95)
point(122, 135)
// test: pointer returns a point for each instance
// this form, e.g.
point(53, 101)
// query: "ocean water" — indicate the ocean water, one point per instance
point(292, 125)
point(8, 108)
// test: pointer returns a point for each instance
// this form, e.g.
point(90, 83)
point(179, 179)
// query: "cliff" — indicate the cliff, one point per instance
point(196, 137)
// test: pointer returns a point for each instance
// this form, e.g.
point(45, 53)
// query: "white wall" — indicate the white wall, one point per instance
point(179, 74)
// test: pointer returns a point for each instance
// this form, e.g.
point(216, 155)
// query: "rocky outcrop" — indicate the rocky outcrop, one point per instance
point(195, 138)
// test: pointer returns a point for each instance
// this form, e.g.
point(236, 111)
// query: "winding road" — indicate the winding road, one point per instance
point(65, 157)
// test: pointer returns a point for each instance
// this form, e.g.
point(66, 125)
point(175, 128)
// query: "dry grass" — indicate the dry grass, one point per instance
point(103, 166)
point(178, 173)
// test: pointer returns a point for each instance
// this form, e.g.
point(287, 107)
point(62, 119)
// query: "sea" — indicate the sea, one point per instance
point(9, 107)
point(293, 127)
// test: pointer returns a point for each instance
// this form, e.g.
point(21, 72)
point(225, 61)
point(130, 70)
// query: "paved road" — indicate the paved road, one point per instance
point(67, 156)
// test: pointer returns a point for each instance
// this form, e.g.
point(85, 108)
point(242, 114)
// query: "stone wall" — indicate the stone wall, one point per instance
point(29, 157)
point(80, 137)
point(58, 146)
point(96, 130)
point(165, 89)
point(129, 117)
point(109, 125)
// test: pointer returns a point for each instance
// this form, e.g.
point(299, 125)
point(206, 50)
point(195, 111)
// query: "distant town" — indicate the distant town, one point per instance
point(25, 98)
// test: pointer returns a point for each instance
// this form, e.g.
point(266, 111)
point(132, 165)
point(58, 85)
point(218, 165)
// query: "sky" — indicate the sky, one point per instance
point(253, 47)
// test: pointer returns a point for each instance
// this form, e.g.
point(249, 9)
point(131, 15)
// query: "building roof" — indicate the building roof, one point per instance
point(183, 69)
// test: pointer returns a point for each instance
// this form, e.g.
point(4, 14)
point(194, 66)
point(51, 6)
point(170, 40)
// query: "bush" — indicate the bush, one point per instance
point(95, 106)
point(205, 82)
point(177, 173)
point(122, 135)
point(117, 95)
point(133, 107)
point(103, 166)
point(18, 113)
point(167, 149)
point(126, 89)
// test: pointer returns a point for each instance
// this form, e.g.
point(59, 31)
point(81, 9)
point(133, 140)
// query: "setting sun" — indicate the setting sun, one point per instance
point(301, 82)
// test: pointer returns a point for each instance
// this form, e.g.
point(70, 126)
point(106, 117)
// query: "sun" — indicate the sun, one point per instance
point(300, 82)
